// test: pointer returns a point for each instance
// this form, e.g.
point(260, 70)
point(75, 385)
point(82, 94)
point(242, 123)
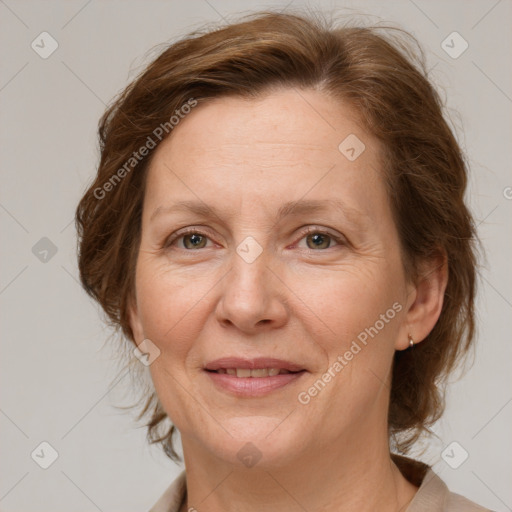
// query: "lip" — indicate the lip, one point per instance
point(253, 364)
point(248, 387)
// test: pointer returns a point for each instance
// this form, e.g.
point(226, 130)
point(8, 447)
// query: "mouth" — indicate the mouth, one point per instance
point(255, 373)
point(252, 377)
point(258, 363)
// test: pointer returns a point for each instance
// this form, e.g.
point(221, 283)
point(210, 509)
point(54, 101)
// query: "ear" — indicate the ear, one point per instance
point(424, 301)
point(135, 320)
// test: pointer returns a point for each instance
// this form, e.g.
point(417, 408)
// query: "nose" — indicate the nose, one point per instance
point(254, 297)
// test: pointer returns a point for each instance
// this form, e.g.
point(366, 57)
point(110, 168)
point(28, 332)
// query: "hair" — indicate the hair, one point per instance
point(370, 68)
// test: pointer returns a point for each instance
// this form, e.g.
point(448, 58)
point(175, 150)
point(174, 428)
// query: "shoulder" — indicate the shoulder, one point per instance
point(456, 503)
point(434, 490)
point(173, 497)
point(433, 495)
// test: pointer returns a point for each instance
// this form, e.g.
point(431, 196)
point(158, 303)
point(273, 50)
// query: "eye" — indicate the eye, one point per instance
point(192, 239)
point(320, 239)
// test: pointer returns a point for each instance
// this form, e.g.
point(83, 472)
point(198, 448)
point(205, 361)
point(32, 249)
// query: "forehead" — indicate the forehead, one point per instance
point(277, 148)
point(283, 120)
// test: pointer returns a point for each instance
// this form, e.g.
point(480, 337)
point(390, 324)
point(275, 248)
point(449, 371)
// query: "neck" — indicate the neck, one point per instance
point(352, 475)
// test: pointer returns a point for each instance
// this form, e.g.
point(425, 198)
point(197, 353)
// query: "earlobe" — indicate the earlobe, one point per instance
point(426, 302)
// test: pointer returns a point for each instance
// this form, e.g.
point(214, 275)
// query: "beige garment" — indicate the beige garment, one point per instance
point(432, 495)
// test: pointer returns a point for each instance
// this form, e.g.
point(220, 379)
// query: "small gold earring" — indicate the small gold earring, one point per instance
point(411, 341)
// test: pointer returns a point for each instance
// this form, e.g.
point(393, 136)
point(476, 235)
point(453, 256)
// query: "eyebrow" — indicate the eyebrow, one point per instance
point(290, 208)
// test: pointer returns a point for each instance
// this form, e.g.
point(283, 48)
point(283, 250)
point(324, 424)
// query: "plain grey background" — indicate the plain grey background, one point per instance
point(57, 369)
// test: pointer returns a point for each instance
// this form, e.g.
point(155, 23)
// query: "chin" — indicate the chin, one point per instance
point(258, 441)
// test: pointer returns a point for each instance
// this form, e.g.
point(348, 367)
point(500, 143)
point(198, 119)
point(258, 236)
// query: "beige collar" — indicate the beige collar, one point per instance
point(432, 496)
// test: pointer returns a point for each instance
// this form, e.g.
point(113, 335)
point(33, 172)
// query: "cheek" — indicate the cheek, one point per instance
point(359, 314)
point(346, 303)
point(170, 304)
point(172, 308)
point(357, 319)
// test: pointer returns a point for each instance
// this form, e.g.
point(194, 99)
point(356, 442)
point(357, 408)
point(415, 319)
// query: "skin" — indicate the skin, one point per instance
point(296, 301)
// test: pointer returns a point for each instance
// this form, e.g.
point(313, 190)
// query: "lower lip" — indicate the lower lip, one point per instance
point(252, 386)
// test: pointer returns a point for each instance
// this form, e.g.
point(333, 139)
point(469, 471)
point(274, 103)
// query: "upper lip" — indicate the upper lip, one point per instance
point(253, 364)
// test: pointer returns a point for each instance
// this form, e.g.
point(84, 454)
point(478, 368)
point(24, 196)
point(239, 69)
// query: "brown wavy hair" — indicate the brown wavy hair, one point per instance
point(381, 72)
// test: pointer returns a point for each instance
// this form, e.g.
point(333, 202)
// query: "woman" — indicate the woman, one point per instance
point(277, 224)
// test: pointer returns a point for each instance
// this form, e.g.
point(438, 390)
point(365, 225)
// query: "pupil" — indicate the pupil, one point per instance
point(195, 239)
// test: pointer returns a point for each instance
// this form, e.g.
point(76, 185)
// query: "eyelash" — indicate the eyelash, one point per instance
point(189, 231)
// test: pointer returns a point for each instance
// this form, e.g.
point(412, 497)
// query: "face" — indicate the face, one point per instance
point(290, 260)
